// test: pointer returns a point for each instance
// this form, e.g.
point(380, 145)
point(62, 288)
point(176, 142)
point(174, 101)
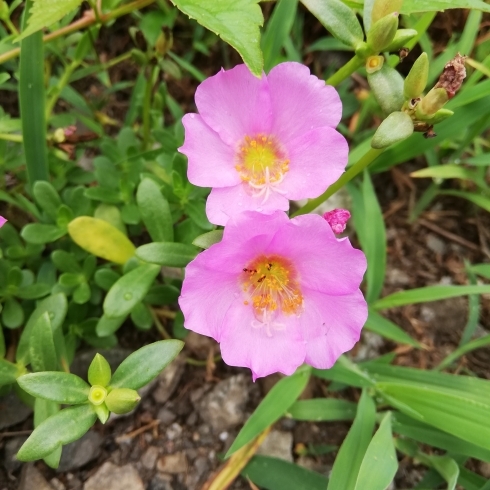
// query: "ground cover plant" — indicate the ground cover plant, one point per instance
point(172, 172)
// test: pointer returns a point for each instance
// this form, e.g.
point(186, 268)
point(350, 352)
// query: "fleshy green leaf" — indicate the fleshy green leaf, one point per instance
point(275, 404)
point(397, 127)
point(42, 351)
point(235, 21)
point(44, 193)
point(59, 387)
point(129, 290)
point(39, 234)
point(99, 371)
point(207, 239)
point(168, 254)
point(66, 426)
point(107, 326)
point(139, 368)
point(8, 372)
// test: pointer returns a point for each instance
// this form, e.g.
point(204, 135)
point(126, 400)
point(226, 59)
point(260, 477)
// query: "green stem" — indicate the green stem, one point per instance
point(16, 138)
point(93, 4)
point(147, 105)
point(347, 176)
point(345, 71)
point(63, 81)
point(32, 100)
point(11, 26)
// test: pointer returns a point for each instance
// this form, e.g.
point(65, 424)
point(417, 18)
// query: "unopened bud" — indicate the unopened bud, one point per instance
point(102, 412)
point(374, 63)
point(164, 43)
point(97, 395)
point(417, 77)
point(431, 103)
point(381, 8)
point(387, 87)
point(382, 32)
point(337, 219)
point(402, 36)
point(397, 127)
point(441, 115)
point(99, 371)
point(122, 400)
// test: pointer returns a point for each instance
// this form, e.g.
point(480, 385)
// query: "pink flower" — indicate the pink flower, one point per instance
point(277, 293)
point(2, 221)
point(337, 219)
point(260, 142)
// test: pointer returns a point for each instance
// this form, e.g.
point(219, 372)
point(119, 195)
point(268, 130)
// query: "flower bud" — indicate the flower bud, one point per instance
point(164, 43)
point(59, 135)
point(398, 126)
point(441, 115)
point(382, 8)
point(4, 10)
point(402, 36)
point(431, 103)
point(374, 63)
point(337, 219)
point(97, 395)
point(387, 87)
point(382, 32)
point(99, 371)
point(102, 412)
point(122, 400)
point(452, 76)
point(417, 77)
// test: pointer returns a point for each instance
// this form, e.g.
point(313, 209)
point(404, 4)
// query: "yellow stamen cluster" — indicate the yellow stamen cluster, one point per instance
point(260, 161)
point(271, 283)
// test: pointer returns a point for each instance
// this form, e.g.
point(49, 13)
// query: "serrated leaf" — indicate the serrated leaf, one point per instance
point(46, 12)
point(235, 21)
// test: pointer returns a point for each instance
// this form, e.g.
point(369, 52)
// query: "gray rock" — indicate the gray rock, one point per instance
point(166, 416)
point(435, 244)
point(56, 484)
point(13, 410)
point(80, 452)
point(173, 463)
point(168, 380)
point(369, 346)
point(10, 462)
point(32, 479)
point(161, 482)
point(224, 406)
point(397, 277)
point(277, 444)
point(149, 458)
point(174, 432)
point(112, 477)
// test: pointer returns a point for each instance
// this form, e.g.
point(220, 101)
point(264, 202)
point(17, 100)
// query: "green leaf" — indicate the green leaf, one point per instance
point(166, 253)
point(162, 294)
point(427, 294)
point(65, 262)
point(155, 211)
point(42, 352)
point(9, 372)
point(481, 270)
point(208, 239)
point(196, 210)
point(66, 426)
point(101, 239)
point(59, 387)
point(450, 171)
point(33, 291)
point(386, 328)
point(446, 467)
point(46, 196)
point(129, 290)
point(462, 350)
point(482, 201)
point(322, 410)
point(99, 371)
point(411, 6)
point(47, 12)
point(235, 21)
point(43, 409)
point(105, 278)
point(277, 474)
point(141, 316)
point(275, 404)
point(39, 234)
point(107, 326)
point(346, 372)
point(397, 127)
point(140, 367)
point(351, 453)
point(338, 19)
point(379, 465)
point(12, 313)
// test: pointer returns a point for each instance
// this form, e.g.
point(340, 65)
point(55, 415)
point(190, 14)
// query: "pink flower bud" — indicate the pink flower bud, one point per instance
point(2, 221)
point(337, 219)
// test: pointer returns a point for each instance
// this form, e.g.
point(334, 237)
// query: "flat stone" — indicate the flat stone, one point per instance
point(112, 477)
point(12, 446)
point(224, 406)
point(13, 410)
point(173, 463)
point(149, 458)
point(277, 444)
point(80, 452)
point(168, 380)
point(161, 482)
point(32, 479)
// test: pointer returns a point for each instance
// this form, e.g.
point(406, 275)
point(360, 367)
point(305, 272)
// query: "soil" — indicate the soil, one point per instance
point(431, 250)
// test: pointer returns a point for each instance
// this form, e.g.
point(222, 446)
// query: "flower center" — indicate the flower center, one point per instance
point(271, 286)
point(262, 164)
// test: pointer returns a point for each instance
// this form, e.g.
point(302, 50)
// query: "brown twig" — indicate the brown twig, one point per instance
point(137, 432)
point(447, 234)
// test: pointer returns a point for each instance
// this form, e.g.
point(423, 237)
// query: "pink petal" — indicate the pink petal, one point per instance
point(211, 162)
point(235, 103)
point(244, 345)
point(331, 325)
point(2, 221)
point(301, 102)
point(324, 263)
point(316, 160)
point(206, 297)
point(225, 202)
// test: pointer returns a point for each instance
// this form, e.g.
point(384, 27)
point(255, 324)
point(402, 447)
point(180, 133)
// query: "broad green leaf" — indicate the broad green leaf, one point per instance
point(379, 465)
point(39, 234)
point(398, 126)
point(450, 171)
point(56, 306)
point(445, 466)
point(481, 270)
point(338, 19)
point(461, 351)
point(12, 313)
point(208, 239)
point(65, 262)
point(105, 278)
point(43, 409)
point(452, 411)
point(9, 372)
point(276, 474)
point(345, 371)
point(64, 388)
point(107, 326)
point(47, 12)
point(66, 426)
point(412, 6)
point(99, 371)
point(322, 410)
point(275, 404)
point(162, 294)
point(112, 215)
point(33, 291)
point(235, 21)
point(129, 290)
point(101, 239)
point(45, 194)
point(140, 367)
point(166, 253)
point(351, 453)
point(196, 210)
point(141, 316)
point(155, 211)
point(42, 352)
point(386, 328)
point(427, 294)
